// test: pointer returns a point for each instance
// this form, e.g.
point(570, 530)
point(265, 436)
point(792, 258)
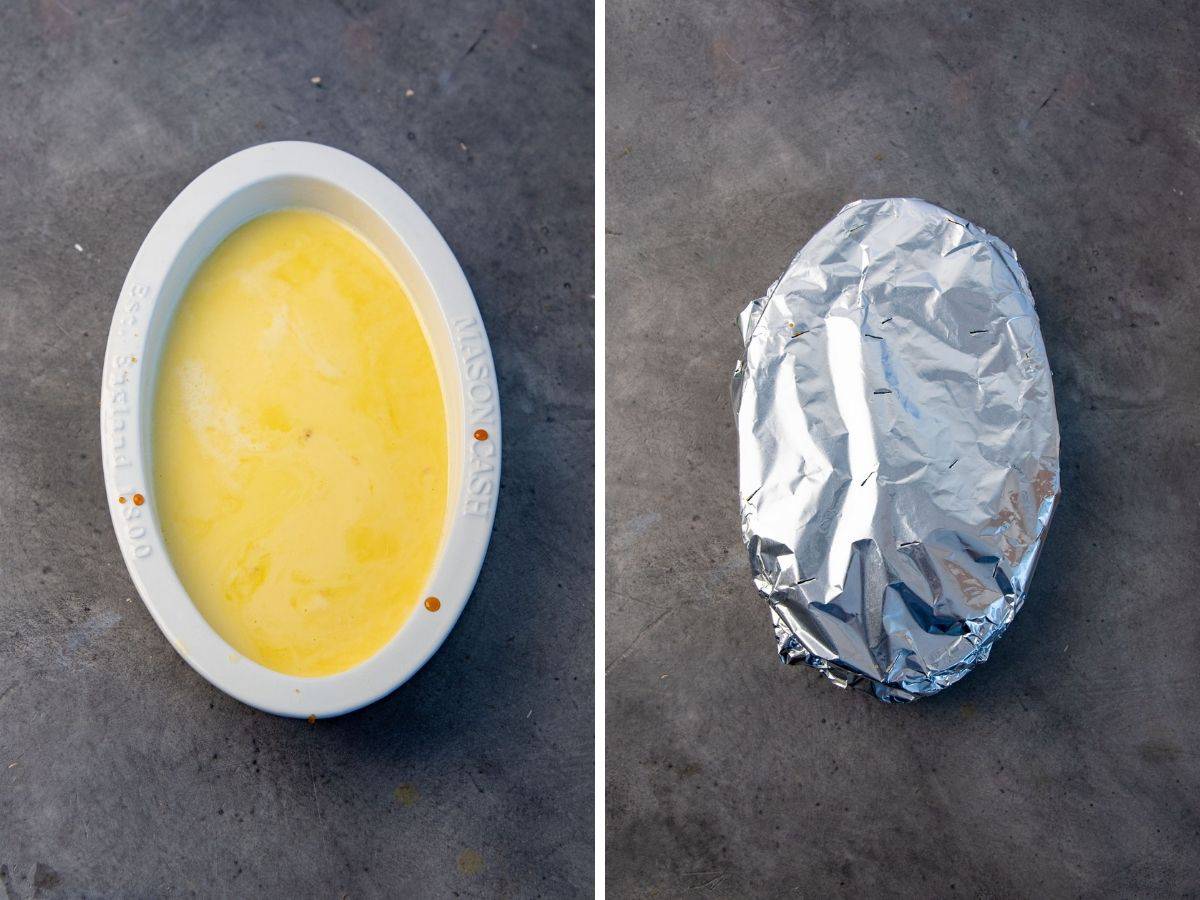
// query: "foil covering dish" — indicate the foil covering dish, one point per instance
point(898, 447)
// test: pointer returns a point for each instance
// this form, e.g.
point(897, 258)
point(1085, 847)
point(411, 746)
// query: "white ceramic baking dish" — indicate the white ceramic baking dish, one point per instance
point(235, 190)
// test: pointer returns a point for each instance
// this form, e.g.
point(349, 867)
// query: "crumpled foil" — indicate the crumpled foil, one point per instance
point(898, 447)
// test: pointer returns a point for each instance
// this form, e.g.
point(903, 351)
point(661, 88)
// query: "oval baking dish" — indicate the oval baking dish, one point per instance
point(238, 189)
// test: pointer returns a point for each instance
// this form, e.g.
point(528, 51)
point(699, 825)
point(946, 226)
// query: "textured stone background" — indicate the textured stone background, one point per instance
point(123, 773)
point(1068, 765)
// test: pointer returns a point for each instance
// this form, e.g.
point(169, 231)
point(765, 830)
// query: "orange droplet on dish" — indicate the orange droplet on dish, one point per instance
point(480, 434)
point(120, 499)
point(433, 604)
point(312, 720)
point(138, 499)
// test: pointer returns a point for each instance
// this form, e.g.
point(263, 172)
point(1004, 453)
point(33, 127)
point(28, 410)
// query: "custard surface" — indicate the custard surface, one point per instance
point(300, 459)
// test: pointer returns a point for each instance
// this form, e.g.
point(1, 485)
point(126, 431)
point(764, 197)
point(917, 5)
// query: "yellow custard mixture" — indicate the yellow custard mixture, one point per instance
point(300, 445)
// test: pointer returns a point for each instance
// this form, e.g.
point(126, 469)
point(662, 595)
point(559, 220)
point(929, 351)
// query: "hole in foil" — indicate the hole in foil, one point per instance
point(978, 331)
point(952, 465)
point(882, 391)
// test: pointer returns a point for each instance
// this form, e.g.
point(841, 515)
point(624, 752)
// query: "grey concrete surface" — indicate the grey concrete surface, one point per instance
point(123, 773)
point(1067, 765)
